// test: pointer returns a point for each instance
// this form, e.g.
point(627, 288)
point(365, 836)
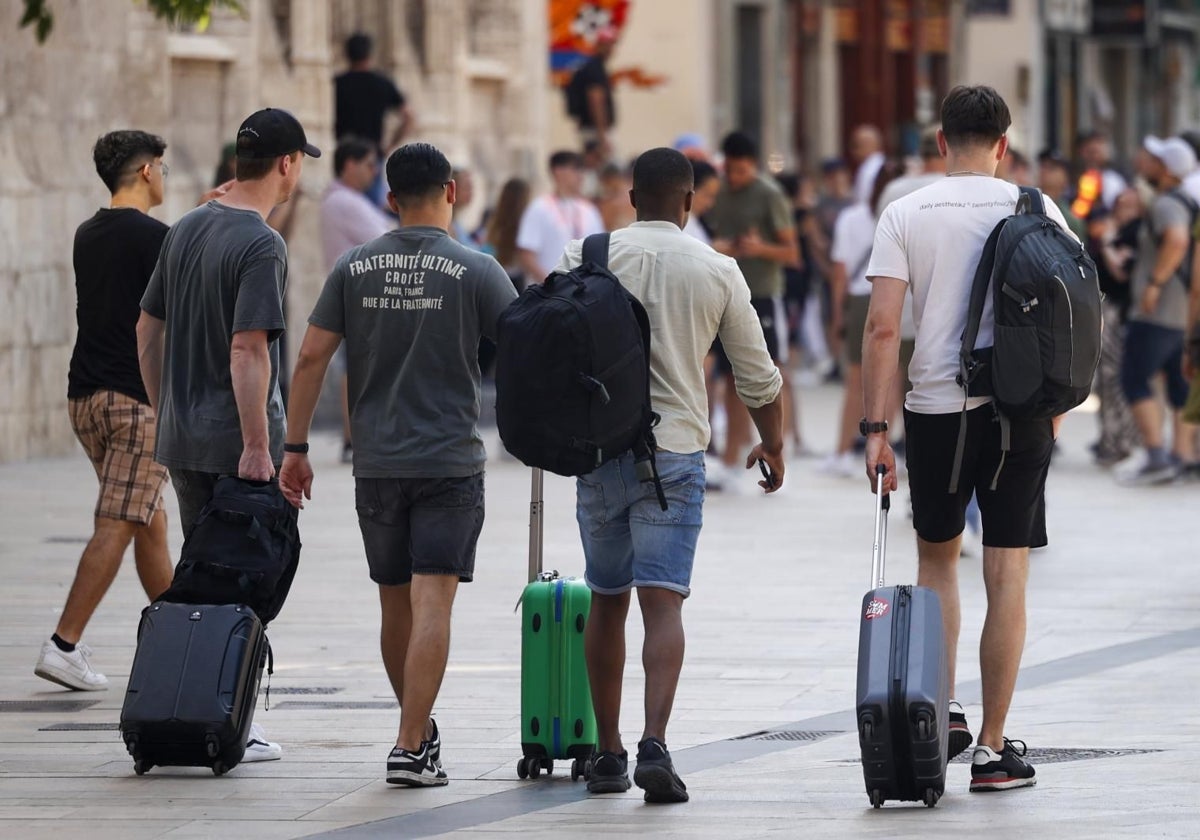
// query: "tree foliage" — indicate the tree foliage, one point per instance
point(40, 16)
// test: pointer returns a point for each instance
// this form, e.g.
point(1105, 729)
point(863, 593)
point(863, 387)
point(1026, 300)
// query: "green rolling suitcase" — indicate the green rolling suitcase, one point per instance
point(557, 720)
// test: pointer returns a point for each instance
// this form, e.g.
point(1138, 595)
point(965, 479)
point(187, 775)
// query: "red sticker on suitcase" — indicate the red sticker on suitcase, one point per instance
point(877, 608)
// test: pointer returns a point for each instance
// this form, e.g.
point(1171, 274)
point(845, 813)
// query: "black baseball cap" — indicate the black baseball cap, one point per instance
point(270, 133)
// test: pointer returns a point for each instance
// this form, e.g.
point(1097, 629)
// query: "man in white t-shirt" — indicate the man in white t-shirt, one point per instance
point(553, 220)
point(866, 150)
point(929, 242)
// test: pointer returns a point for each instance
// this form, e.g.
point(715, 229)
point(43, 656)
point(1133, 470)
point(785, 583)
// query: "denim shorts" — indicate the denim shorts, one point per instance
point(419, 526)
point(628, 540)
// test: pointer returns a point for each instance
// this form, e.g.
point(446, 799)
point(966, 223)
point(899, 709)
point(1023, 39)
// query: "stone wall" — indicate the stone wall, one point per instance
point(110, 64)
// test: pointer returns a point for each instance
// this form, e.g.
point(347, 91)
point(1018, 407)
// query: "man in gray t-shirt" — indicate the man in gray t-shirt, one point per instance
point(211, 318)
point(411, 306)
point(1155, 336)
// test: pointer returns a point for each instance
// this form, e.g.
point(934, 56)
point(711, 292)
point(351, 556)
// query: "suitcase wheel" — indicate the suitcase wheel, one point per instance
point(141, 766)
point(579, 769)
point(923, 730)
point(522, 768)
point(931, 797)
point(220, 768)
point(876, 798)
point(212, 746)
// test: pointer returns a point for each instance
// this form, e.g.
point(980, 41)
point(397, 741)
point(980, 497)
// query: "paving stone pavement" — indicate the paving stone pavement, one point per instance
point(1113, 648)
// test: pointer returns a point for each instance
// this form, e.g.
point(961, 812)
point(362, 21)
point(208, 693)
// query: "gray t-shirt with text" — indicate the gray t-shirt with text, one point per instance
point(221, 270)
point(1166, 211)
point(412, 306)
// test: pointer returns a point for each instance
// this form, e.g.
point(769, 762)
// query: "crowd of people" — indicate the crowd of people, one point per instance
point(752, 282)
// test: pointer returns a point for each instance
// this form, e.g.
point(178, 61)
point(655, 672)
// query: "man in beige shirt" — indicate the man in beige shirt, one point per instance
point(692, 295)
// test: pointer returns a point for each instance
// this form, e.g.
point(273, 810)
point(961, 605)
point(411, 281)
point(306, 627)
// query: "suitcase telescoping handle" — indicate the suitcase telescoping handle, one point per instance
point(883, 503)
point(535, 525)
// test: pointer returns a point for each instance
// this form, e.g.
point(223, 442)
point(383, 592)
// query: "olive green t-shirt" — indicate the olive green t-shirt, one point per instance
point(760, 206)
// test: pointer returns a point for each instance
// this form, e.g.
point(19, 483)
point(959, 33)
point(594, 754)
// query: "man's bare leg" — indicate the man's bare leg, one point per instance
point(428, 651)
point(97, 568)
point(151, 555)
point(1005, 573)
point(662, 655)
point(604, 649)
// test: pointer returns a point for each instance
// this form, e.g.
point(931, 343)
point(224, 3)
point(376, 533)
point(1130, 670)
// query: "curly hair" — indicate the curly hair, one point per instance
point(115, 151)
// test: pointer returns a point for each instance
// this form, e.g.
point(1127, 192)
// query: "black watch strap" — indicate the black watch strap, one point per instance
point(296, 448)
point(865, 428)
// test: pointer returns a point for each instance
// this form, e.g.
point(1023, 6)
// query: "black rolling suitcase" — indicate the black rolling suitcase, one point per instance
point(194, 686)
point(903, 684)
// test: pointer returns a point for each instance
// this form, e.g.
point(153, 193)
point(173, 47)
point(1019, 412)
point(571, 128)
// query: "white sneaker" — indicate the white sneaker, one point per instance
point(72, 670)
point(842, 465)
point(258, 748)
point(972, 542)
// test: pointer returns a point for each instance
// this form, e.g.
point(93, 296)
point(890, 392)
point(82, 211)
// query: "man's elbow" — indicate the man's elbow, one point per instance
point(881, 330)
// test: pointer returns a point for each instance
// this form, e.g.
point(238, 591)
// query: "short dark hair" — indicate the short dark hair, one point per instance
point(115, 151)
point(358, 47)
point(974, 116)
point(1088, 135)
point(255, 169)
point(565, 157)
point(739, 145)
point(350, 149)
point(417, 171)
point(702, 171)
point(660, 174)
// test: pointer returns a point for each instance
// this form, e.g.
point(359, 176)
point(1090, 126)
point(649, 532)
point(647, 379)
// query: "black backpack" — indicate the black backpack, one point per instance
point(573, 372)
point(243, 549)
point(1046, 299)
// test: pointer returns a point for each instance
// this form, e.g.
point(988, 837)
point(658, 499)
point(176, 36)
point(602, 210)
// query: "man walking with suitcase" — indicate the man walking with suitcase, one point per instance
point(208, 335)
point(691, 295)
point(929, 243)
point(411, 306)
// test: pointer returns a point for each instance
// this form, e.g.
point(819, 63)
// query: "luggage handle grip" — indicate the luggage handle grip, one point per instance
point(883, 503)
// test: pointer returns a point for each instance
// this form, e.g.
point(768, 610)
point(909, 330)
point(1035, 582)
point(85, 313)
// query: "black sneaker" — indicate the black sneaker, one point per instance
point(656, 775)
point(960, 736)
point(434, 743)
point(414, 770)
point(1009, 769)
point(609, 773)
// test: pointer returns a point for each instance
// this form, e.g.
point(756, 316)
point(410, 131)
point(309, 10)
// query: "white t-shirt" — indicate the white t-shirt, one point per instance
point(896, 189)
point(549, 223)
point(853, 234)
point(1191, 185)
point(932, 239)
point(348, 219)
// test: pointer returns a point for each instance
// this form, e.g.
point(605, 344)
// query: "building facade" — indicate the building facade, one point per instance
point(109, 64)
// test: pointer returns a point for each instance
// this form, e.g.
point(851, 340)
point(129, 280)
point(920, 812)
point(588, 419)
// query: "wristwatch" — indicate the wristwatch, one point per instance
point(296, 448)
point(865, 428)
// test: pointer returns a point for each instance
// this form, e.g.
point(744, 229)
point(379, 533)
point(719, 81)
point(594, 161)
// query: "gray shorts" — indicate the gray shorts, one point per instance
point(419, 526)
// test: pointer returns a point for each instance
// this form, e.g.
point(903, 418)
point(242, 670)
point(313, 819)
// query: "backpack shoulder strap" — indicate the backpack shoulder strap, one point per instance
point(979, 289)
point(1030, 201)
point(595, 249)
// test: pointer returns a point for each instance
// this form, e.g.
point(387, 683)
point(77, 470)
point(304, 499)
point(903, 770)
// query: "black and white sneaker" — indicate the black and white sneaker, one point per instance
point(1000, 771)
point(608, 773)
point(656, 774)
point(414, 770)
point(960, 736)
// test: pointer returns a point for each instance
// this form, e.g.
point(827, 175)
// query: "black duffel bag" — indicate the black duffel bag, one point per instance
point(243, 549)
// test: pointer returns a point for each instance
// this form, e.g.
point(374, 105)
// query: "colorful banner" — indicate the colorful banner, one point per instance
point(574, 25)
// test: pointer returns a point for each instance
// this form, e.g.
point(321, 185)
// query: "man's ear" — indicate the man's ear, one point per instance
point(451, 191)
point(1002, 148)
point(633, 199)
point(392, 203)
point(687, 201)
point(943, 146)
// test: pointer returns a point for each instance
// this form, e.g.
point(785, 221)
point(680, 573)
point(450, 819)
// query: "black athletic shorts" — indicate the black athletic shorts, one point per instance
point(423, 526)
point(773, 318)
point(1014, 514)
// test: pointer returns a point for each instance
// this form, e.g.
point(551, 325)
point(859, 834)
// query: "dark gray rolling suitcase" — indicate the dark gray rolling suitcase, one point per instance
point(903, 684)
point(193, 686)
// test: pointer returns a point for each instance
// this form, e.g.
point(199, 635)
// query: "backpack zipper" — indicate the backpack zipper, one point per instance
point(1070, 325)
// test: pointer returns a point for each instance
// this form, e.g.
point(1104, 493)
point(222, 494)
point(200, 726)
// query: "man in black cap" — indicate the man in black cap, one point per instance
point(208, 334)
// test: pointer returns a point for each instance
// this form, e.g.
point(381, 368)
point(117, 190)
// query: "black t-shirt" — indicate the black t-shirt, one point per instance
point(115, 254)
point(592, 73)
point(361, 98)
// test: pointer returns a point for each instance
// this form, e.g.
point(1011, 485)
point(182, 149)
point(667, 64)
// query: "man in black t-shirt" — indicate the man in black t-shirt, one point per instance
point(362, 98)
point(590, 95)
point(115, 254)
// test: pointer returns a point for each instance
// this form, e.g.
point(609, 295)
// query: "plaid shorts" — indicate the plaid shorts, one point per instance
point(117, 433)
